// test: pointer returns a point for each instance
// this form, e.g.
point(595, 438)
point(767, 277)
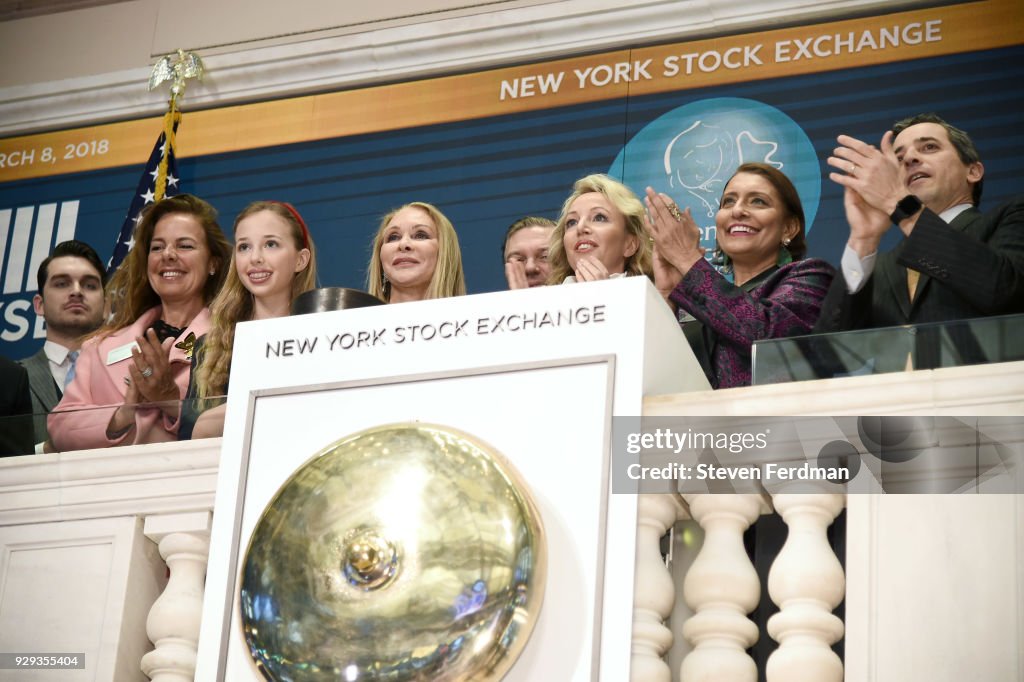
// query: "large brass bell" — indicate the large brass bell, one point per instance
point(405, 552)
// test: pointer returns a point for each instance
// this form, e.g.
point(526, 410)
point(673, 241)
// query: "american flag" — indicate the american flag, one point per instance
point(148, 191)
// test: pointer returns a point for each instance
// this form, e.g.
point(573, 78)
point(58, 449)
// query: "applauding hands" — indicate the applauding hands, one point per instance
point(676, 240)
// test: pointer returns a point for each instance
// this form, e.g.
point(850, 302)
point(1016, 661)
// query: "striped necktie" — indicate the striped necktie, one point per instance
point(72, 359)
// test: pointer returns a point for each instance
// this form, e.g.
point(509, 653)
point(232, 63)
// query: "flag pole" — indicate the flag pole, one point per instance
point(179, 69)
point(159, 177)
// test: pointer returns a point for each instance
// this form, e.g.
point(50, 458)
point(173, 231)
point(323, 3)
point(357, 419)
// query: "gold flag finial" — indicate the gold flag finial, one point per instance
point(178, 68)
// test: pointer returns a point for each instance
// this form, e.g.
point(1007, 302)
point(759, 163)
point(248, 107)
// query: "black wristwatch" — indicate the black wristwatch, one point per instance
point(908, 206)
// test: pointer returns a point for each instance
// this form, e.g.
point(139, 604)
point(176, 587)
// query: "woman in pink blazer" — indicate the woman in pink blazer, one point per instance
point(133, 372)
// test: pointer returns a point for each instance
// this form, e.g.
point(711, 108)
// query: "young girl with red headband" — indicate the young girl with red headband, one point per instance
point(275, 261)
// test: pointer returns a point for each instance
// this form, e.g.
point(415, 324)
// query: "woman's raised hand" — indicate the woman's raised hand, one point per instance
point(675, 233)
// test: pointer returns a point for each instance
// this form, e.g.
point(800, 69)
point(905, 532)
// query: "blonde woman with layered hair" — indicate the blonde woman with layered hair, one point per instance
point(600, 233)
point(416, 256)
point(274, 262)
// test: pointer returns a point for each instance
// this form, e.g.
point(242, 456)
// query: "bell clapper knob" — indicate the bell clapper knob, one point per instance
point(369, 561)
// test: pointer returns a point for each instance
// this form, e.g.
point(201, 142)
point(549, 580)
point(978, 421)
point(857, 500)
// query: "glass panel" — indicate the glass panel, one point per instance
point(889, 349)
point(26, 434)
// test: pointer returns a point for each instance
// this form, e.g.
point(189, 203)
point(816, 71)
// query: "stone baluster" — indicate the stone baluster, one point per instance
point(653, 591)
point(721, 587)
point(173, 622)
point(806, 581)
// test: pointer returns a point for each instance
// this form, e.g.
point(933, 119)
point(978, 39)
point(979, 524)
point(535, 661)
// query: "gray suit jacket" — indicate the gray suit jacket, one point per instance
point(43, 389)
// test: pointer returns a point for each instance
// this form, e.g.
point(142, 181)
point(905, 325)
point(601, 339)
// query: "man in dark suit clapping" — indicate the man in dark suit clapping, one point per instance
point(954, 262)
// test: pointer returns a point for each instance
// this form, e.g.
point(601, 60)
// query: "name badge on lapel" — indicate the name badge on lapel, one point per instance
point(121, 353)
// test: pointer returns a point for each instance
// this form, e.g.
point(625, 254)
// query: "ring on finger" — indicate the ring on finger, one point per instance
point(146, 372)
point(853, 169)
point(674, 210)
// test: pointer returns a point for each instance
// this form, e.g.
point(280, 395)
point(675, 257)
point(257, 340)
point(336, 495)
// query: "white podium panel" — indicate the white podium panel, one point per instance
point(72, 587)
point(537, 375)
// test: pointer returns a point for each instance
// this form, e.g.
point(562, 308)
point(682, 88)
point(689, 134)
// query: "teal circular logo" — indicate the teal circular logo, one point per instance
point(690, 153)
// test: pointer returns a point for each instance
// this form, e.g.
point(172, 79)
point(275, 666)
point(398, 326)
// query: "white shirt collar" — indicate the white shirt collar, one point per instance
point(59, 362)
point(952, 212)
point(55, 352)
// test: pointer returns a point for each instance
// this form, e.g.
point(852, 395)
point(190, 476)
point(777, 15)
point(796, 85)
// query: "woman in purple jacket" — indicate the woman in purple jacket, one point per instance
point(774, 294)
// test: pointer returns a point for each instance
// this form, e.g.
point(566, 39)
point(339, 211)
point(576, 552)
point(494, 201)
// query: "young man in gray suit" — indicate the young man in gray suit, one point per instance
point(954, 261)
point(70, 300)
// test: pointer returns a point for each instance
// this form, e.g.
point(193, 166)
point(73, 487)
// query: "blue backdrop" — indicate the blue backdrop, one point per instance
point(486, 173)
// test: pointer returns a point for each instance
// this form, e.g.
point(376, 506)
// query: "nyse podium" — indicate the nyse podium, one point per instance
point(88, 539)
point(538, 375)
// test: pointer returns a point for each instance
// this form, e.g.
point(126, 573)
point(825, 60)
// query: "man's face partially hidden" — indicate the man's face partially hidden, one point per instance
point(530, 247)
point(932, 169)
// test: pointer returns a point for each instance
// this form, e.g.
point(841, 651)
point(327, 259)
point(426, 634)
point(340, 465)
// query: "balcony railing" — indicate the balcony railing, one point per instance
point(984, 340)
point(120, 536)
